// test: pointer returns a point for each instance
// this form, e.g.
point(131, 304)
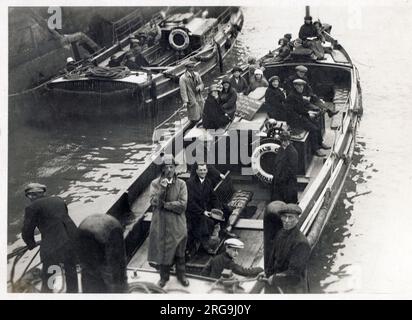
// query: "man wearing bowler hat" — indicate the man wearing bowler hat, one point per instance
point(286, 267)
point(50, 216)
point(191, 87)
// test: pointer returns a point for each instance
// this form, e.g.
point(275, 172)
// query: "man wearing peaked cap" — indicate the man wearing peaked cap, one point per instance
point(291, 251)
point(301, 69)
point(50, 216)
point(299, 81)
point(226, 260)
point(237, 82)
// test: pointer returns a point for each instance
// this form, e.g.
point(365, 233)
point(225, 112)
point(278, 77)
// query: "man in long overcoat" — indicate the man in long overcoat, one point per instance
point(58, 234)
point(191, 87)
point(168, 229)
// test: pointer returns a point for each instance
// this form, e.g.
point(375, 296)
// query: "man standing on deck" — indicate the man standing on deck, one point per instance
point(287, 264)
point(308, 93)
point(58, 235)
point(300, 115)
point(191, 87)
point(168, 230)
point(284, 183)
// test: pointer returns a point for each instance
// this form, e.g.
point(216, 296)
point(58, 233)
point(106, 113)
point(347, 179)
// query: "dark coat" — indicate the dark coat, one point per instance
point(228, 101)
point(223, 261)
point(307, 90)
point(201, 198)
point(290, 257)
point(307, 31)
point(213, 114)
point(284, 184)
point(50, 216)
point(240, 86)
point(297, 109)
point(168, 229)
point(275, 99)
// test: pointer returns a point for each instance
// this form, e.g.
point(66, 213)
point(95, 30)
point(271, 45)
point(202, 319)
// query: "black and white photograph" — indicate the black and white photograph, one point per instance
point(229, 149)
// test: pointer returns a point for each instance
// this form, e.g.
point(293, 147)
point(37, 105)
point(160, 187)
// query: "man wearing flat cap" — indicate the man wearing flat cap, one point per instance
point(286, 267)
point(226, 260)
point(50, 216)
point(191, 87)
point(201, 199)
point(315, 102)
point(284, 183)
point(300, 115)
point(168, 229)
point(237, 82)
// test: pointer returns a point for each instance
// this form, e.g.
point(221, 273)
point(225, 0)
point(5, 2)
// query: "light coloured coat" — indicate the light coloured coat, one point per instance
point(191, 87)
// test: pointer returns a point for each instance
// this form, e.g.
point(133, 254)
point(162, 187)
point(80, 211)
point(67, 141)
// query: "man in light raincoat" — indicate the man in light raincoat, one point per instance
point(191, 87)
point(168, 229)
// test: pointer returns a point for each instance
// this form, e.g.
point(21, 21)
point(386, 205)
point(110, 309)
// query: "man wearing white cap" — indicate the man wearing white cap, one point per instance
point(226, 260)
point(58, 234)
point(70, 64)
point(301, 116)
point(258, 80)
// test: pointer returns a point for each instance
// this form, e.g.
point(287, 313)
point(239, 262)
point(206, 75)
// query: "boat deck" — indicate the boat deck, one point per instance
point(250, 225)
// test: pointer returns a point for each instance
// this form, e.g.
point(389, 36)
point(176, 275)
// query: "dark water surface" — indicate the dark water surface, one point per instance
point(365, 248)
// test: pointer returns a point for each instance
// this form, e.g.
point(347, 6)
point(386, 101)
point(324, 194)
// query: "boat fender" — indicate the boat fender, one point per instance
point(179, 39)
point(261, 174)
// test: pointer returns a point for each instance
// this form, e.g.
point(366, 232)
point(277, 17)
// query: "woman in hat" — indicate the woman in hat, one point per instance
point(258, 80)
point(214, 117)
point(275, 98)
point(228, 97)
point(168, 229)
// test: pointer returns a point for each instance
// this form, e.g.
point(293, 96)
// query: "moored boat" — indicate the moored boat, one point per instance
point(320, 180)
point(201, 36)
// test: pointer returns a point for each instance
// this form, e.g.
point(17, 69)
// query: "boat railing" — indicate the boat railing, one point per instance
point(127, 25)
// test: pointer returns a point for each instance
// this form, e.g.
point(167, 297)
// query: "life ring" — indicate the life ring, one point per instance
point(179, 39)
point(268, 147)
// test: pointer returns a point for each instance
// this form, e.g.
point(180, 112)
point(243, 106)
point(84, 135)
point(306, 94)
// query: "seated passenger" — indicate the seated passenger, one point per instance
point(312, 37)
point(288, 37)
point(214, 117)
point(288, 255)
point(237, 82)
point(274, 99)
point(228, 98)
point(301, 116)
point(308, 94)
point(113, 62)
point(258, 80)
point(283, 51)
point(70, 64)
point(226, 260)
point(201, 199)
